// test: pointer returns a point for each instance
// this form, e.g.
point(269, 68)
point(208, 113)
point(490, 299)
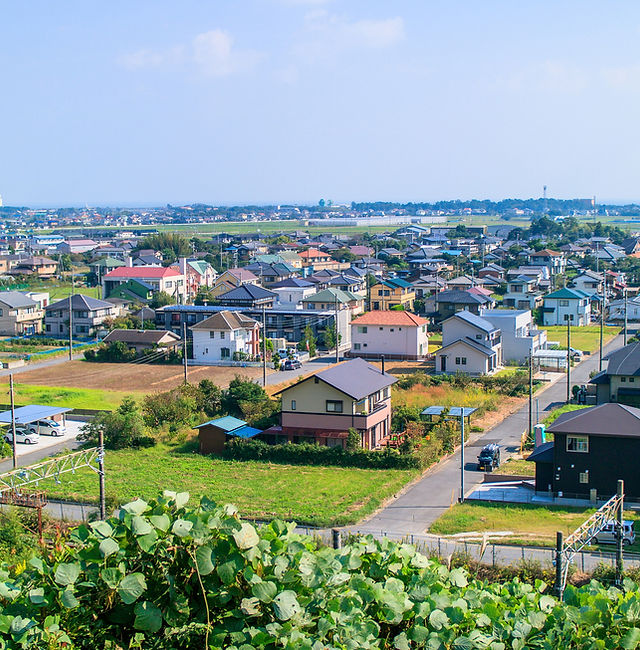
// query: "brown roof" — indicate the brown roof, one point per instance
point(244, 275)
point(546, 252)
point(611, 419)
point(226, 320)
point(390, 317)
point(152, 337)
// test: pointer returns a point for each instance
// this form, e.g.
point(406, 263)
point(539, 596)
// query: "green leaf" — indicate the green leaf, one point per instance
point(204, 560)
point(140, 526)
point(181, 499)
point(181, 527)
point(67, 573)
point(631, 639)
point(147, 542)
point(111, 576)
point(246, 537)
point(250, 607)
point(265, 592)
point(131, 587)
point(20, 625)
point(547, 603)
point(438, 619)
point(102, 528)
point(286, 605)
point(109, 546)
point(227, 572)
point(458, 577)
point(136, 507)
point(68, 598)
point(36, 596)
point(161, 522)
point(148, 617)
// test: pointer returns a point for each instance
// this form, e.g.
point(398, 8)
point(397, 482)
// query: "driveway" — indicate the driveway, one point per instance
point(424, 501)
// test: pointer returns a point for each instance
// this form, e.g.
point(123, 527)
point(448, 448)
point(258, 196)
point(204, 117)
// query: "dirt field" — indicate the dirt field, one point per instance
point(135, 378)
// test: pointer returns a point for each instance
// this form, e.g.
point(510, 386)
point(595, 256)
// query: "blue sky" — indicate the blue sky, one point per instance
point(278, 101)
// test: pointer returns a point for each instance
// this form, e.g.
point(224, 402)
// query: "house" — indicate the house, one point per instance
point(553, 260)
point(444, 304)
point(270, 273)
point(322, 407)
point(564, 304)
point(631, 306)
point(318, 260)
point(610, 253)
point(248, 295)
point(166, 279)
point(588, 282)
point(520, 338)
point(394, 334)
point(334, 299)
point(141, 340)
point(198, 275)
point(620, 381)
point(427, 284)
point(132, 291)
point(231, 279)
point(76, 246)
point(461, 283)
point(592, 448)
point(43, 267)
point(522, 293)
point(492, 271)
point(103, 265)
point(88, 316)
point(226, 336)
point(470, 344)
point(631, 246)
point(291, 292)
point(392, 292)
point(148, 259)
point(213, 435)
point(20, 315)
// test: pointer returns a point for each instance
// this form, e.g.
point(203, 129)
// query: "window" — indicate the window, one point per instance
point(584, 477)
point(563, 303)
point(479, 336)
point(457, 361)
point(225, 353)
point(631, 379)
point(362, 330)
point(623, 379)
point(293, 405)
point(392, 329)
point(334, 406)
point(212, 335)
point(1, 312)
point(380, 328)
point(356, 346)
point(578, 443)
point(464, 361)
point(379, 292)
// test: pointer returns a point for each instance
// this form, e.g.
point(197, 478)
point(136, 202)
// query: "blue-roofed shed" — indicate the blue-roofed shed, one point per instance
point(454, 411)
point(33, 412)
point(214, 434)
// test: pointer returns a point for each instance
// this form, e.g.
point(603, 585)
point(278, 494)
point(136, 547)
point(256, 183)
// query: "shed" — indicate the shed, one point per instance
point(33, 412)
point(214, 434)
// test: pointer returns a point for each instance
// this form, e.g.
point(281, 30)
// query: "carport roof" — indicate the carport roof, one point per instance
point(31, 413)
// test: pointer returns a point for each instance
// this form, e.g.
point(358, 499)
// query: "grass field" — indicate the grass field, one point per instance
point(516, 467)
point(582, 338)
point(320, 496)
point(528, 524)
point(84, 398)
point(446, 395)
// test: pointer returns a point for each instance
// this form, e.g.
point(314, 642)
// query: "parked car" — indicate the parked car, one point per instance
point(24, 435)
point(576, 355)
point(608, 533)
point(47, 428)
point(489, 458)
point(291, 364)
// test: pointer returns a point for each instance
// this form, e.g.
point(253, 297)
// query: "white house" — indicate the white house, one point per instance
point(470, 344)
point(225, 336)
point(617, 309)
point(588, 282)
point(394, 334)
point(291, 291)
point(564, 303)
point(520, 338)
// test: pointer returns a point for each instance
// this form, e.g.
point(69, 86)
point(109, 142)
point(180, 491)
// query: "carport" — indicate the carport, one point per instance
point(34, 412)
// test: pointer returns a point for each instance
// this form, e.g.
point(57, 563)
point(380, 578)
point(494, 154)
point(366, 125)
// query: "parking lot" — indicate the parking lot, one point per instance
point(72, 430)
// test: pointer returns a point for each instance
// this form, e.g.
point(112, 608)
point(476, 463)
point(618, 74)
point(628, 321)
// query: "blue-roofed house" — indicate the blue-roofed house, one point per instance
point(213, 435)
point(470, 344)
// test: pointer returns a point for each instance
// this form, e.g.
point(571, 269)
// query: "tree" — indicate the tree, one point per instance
point(210, 397)
point(353, 442)
point(65, 262)
point(161, 299)
point(241, 390)
point(330, 337)
point(121, 428)
point(308, 341)
point(172, 245)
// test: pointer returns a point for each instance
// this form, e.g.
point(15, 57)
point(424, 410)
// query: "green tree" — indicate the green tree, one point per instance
point(330, 337)
point(308, 341)
point(353, 442)
point(161, 299)
point(172, 245)
point(121, 428)
point(241, 390)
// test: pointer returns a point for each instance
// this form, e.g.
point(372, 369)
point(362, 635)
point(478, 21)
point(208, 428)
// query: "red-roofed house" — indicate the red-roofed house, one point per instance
point(394, 334)
point(158, 278)
point(319, 260)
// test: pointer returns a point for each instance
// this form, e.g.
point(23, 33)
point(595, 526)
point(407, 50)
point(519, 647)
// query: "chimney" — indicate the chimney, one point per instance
point(129, 260)
point(382, 361)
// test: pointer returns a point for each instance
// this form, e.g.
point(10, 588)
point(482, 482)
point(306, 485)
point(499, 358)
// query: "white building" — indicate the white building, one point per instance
point(564, 304)
point(291, 291)
point(225, 336)
point(520, 338)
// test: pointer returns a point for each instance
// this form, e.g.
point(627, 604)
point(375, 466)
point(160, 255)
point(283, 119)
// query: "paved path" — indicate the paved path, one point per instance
point(421, 504)
point(40, 364)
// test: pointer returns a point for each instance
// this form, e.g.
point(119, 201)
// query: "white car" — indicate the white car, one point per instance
point(47, 428)
point(23, 435)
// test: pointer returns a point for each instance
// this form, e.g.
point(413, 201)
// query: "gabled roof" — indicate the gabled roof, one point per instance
point(356, 378)
point(15, 299)
point(462, 297)
point(476, 321)
point(624, 361)
point(80, 302)
point(470, 343)
point(567, 294)
point(614, 420)
point(146, 272)
point(331, 295)
point(545, 252)
point(242, 274)
point(292, 282)
point(390, 317)
point(152, 337)
point(247, 292)
point(396, 283)
point(226, 320)
point(542, 453)
point(227, 423)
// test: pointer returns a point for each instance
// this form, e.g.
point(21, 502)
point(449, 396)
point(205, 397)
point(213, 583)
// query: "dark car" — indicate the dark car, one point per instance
point(489, 458)
point(291, 364)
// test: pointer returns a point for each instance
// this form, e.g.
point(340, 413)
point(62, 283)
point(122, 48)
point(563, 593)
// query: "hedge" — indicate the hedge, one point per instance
point(308, 454)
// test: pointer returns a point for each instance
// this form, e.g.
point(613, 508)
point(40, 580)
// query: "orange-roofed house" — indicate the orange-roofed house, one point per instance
point(157, 278)
point(394, 334)
point(318, 260)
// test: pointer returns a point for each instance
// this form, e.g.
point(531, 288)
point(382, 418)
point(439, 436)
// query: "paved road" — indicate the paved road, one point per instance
point(421, 504)
point(40, 364)
point(37, 455)
point(315, 365)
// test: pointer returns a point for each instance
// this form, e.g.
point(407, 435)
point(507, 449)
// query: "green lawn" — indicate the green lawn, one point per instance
point(582, 338)
point(516, 467)
point(321, 496)
point(86, 398)
point(62, 289)
point(507, 371)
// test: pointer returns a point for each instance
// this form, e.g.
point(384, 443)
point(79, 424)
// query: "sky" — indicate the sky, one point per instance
point(288, 101)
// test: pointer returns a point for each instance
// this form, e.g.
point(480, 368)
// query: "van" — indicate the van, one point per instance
point(607, 535)
point(47, 428)
point(489, 458)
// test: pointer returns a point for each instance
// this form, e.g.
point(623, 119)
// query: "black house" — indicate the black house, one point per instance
point(592, 448)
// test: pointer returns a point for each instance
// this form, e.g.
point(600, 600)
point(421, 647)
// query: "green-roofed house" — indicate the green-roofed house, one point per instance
point(566, 304)
point(329, 298)
point(135, 291)
point(393, 292)
point(103, 265)
point(197, 273)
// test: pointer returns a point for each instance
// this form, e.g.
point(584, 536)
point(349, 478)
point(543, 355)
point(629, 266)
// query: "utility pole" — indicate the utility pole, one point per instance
point(558, 582)
point(625, 315)
point(602, 307)
point(461, 499)
point(71, 320)
point(13, 424)
point(264, 346)
point(568, 317)
point(620, 533)
point(336, 327)
point(530, 395)
point(103, 503)
point(184, 351)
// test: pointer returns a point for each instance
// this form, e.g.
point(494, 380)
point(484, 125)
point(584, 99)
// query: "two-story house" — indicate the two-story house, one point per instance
point(392, 292)
point(334, 299)
point(198, 275)
point(322, 407)
point(588, 282)
point(224, 337)
point(470, 344)
point(564, 304)
point(318, 260)
point(394, 334)
point(553, 260)
point(43, 267)
point(231, 279)
point(88, 316)
point(248, 295)
point(620, 381)
point(520, 338)
point(522, 293)
point(291, 292)
point(166, 279)
point(444, 304)
point(20, 315)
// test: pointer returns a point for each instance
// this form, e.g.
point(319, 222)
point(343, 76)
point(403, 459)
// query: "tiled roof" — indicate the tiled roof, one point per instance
point(226, 320)
point(80, 302)
point(390, 317)
point(15, 299)
point(605, 420)
point(143, 272)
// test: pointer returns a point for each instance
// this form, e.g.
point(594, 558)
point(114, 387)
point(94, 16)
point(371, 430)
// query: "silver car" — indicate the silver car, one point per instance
point(47, 428)
point(608, 533)
point(24, 435)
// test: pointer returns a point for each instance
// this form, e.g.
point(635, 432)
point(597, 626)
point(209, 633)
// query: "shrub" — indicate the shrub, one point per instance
point(177, 406)
point(121, 428)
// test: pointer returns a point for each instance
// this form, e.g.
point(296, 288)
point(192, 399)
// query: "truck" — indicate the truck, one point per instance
point(489, 458)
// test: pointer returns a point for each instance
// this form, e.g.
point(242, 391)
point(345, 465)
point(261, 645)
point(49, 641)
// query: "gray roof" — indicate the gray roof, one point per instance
point(474, 320)
point(542, 453)
point(476, 345)
point(462, 297)
point(16, 299)
point(292, 282)
point(356, 378)
point(80, 302)
point(625, 361)
point(615, 420)
point(31, 413)
point(151, 337)
point(247, 292)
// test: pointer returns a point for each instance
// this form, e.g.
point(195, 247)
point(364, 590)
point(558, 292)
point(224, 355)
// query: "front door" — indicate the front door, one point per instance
point(443, 363)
